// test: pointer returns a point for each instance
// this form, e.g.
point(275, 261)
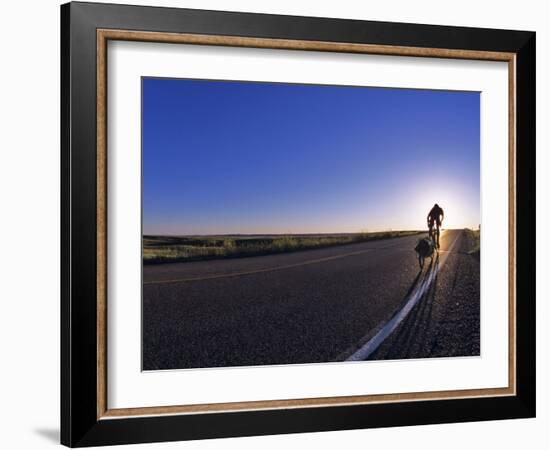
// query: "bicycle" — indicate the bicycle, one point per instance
point(434, 233)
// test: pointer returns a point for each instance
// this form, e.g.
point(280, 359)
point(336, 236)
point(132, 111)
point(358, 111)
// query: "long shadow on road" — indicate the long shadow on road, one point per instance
point(400, 326)
point(445, 322)
point(409, 340)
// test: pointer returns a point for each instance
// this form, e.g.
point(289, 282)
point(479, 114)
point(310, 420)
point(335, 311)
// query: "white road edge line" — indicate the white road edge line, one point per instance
point(368, 348)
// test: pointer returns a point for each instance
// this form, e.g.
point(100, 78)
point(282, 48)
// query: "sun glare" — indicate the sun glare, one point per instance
point(457, 213)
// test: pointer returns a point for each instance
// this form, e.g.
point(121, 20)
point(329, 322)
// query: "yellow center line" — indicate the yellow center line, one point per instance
point(267, 269)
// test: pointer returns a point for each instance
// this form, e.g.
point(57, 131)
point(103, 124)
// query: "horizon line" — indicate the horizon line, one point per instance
point(298, 234)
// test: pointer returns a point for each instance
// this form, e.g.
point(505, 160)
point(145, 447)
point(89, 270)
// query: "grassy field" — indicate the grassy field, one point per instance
point(161, 249)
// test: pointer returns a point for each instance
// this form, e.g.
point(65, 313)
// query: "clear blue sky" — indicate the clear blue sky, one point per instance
point(242, 157)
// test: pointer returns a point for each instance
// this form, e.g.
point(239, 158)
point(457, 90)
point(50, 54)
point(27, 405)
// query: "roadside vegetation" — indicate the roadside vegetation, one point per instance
point(474, 237)
point(161, 249)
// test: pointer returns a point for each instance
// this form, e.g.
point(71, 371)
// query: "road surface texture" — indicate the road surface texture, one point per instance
point(357, 301)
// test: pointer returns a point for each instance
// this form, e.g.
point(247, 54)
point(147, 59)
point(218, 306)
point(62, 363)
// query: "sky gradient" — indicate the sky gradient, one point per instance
point(223, 157)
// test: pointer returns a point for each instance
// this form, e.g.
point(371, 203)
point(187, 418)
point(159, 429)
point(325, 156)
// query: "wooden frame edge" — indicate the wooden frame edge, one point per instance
point(512, 200)
point(289, 44)
point(103, 35)
point(304, 403)
point(101, 223)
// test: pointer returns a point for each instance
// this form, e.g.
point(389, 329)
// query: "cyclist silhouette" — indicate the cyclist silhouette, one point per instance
point(435, 217)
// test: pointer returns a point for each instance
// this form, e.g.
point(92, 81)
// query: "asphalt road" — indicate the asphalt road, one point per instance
point(312, 306)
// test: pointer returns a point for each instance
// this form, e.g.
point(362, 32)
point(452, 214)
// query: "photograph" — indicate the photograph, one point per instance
point(287, 223)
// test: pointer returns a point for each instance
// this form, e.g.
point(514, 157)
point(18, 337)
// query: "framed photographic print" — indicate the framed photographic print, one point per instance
point(276, 224)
